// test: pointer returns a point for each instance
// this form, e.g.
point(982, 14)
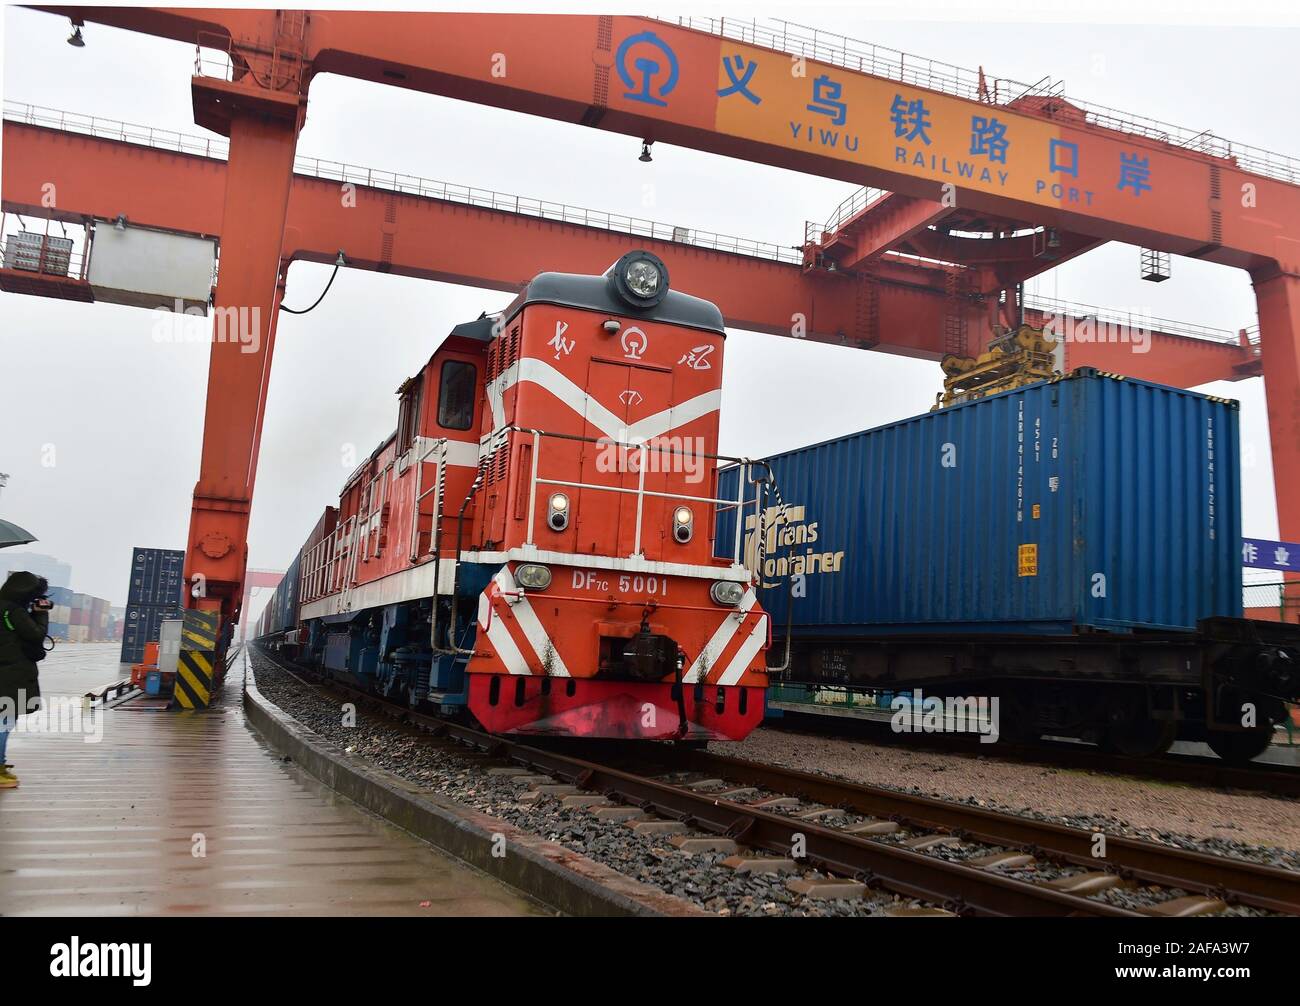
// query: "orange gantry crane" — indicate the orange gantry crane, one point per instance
point(981, 183)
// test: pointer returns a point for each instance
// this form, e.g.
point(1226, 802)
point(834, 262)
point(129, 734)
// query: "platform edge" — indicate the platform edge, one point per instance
point(545, 871)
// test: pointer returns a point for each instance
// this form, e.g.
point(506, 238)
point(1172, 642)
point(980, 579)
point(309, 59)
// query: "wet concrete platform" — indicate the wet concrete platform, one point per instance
point(191, 814)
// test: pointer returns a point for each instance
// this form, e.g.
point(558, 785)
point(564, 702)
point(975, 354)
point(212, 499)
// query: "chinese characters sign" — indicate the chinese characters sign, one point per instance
point(765, 96)
point(1259, 553)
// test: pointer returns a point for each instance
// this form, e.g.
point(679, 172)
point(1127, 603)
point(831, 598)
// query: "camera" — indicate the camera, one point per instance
point(41, 601)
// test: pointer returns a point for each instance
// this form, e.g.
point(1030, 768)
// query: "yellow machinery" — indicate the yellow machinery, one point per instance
point(1015, 357)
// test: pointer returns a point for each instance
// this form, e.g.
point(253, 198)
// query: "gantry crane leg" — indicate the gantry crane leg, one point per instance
point(1277, 296)
point(258, 179)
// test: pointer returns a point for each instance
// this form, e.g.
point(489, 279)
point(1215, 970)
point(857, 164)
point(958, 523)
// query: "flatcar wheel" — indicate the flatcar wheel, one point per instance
point(1240, 746)
point(1139, 738)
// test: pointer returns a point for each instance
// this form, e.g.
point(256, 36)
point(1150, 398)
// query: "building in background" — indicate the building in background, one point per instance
point(58, 573)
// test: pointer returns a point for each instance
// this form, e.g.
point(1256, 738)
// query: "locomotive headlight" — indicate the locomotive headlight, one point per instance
point(643, 278)
point(639, 279)
point(557, 516)
point(683, 524)
point(727, 593)
point(531, 576)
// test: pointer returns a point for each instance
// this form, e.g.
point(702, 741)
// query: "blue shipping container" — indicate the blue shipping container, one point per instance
point(156, 576)
point(1089, 502)
point(141, 625)
point(286, 597)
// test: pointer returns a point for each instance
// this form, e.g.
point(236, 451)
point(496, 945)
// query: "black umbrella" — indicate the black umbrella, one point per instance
point(12, 534)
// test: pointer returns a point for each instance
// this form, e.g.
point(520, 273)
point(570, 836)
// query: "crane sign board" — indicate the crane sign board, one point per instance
point(919, 132)
point(1259, 553)
point(1008, 150)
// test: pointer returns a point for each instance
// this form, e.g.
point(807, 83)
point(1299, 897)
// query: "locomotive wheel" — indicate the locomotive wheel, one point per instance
point(1240, 746)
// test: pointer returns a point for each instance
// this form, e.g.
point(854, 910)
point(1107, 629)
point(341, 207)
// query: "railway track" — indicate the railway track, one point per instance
point(1195, 770)
point(835, 839)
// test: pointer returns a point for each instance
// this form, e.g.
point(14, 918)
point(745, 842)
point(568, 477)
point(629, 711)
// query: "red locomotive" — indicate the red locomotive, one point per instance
point(539, 540)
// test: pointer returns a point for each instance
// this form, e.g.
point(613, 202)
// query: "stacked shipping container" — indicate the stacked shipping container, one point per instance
point(79, 618)
point(154, 595)
point(61, 613)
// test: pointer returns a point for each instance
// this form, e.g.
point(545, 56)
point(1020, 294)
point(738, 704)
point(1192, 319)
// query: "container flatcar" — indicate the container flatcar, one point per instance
point(1071, 547)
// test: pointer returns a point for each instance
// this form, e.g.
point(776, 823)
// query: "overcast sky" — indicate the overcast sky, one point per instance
point(125, 414)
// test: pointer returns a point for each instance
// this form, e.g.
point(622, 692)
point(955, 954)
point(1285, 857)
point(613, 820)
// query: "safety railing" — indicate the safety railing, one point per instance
point(424, 450)
point(850, 53)
point(544, 209)
point(1130, 319)
point(642, 451)
point(1282, 596)
point(1262, 595)
point(415, 185)
point(856, 204)
point(315, 569)
point(114, 129)
point(275, 69)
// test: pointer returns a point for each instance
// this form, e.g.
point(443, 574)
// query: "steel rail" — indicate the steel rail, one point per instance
point(1248, 883)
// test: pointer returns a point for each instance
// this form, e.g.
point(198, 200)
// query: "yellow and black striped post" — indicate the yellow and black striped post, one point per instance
point(198, 656)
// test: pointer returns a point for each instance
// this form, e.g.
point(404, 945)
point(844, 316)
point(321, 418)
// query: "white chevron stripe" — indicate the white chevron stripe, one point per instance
point(532, 626)
point(501, 639)
point(740, 662)
point(679, 415)
point(541, 373)
point(716, 646)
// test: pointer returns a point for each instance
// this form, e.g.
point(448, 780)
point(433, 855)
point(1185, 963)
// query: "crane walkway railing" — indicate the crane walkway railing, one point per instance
point(408, 184)
point(1131, 319)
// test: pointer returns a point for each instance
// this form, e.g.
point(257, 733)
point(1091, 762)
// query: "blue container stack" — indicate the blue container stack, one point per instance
point(1087, 503)
point(155, 594)
point(61, 613)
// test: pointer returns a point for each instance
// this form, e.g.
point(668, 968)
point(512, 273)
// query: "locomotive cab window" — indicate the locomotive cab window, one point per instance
point(456, 395)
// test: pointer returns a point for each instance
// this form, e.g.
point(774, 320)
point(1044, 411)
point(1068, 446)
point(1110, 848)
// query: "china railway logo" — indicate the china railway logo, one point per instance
point(648, 68)
point(635, 343)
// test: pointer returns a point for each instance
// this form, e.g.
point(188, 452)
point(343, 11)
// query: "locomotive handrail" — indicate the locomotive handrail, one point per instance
point(535, 480)
point(433, 445)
